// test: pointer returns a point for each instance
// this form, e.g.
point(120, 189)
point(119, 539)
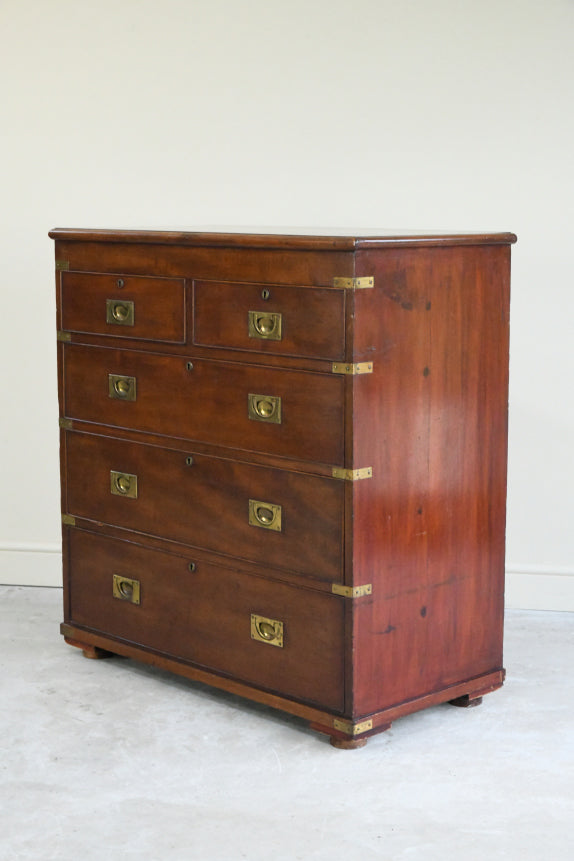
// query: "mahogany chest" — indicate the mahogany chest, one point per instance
point(283, 463)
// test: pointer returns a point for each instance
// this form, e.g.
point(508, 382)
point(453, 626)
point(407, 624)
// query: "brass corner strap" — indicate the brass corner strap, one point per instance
point(350, 728)
point(352, 474)
point(354, 283)
point(66, 424)
point(68, 520)
point(352, 591)
point(64, 336)
point(349, 368)
point(62, 265)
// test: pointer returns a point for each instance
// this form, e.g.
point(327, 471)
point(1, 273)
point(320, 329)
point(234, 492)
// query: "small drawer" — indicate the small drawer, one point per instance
point(290, 321)
point(289, 413)
point(124, 306)
point(271, 635)
point(272, 517)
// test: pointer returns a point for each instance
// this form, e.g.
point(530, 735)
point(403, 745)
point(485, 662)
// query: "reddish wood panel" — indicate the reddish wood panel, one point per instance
point(206, 504)
point(209, 402)
point(158, 305)
point(429, 527)
point(312, 320)
point(204, 617)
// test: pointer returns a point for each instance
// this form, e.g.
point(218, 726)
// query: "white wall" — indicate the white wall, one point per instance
point(377, 113)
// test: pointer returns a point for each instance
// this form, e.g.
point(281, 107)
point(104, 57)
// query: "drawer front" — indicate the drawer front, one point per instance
point(205, 617)
point(124, 306)
point(268, 516)
point(289, 321)
point(210, 402)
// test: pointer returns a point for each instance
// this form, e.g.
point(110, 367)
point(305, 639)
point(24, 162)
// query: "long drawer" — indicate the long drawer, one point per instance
point(289, 413)
point(273, 517)
point(268, 634)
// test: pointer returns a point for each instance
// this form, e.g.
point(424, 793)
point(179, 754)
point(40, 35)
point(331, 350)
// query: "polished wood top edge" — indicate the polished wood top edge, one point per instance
point(283, 241)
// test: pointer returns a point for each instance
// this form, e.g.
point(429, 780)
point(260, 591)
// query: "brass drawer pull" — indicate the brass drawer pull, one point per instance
point(266, 515)
point(264, 325)
point(268, 631)
point(124, 484)
point(122, 388)
point(126, 589)
point(264, 408)
point(120, 312)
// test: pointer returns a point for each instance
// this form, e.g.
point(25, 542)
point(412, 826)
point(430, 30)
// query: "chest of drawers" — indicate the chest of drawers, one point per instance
point(284, 463)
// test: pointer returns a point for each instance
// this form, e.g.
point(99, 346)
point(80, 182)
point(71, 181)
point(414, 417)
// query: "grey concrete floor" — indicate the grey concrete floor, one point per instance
point(106, 760)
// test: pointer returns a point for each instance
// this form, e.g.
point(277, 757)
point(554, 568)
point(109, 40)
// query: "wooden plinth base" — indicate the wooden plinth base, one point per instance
point(466, 702)
point(348, 743)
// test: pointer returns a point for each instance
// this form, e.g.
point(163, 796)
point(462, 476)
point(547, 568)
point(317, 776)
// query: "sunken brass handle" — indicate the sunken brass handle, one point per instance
point(122, 388)
point(264, 408)
point(266, 515)
point(126, 589)
point(265, 325)
point(120, 313)
point(265, 630)
point(124, 484)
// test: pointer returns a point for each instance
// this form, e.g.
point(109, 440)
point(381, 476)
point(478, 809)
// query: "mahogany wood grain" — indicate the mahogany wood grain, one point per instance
point(313, 320)
point(206, 504)
point(159, 305)
point(209, 402)
point(205, 617)
point(429, 527)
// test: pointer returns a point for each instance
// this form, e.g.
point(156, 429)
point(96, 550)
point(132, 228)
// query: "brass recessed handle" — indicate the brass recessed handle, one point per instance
point(265, 630)
point(120, 312)
point(266, 515)
point(265, 325)
point(124, 484)
point(126, 589)
point(122, 388)
point(264, 408)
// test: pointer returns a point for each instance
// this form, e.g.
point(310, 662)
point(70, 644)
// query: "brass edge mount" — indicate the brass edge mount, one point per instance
point(352, 591)
point(62, 265)
point(64, 336)
point(65, 423)
point(68, 520)
point(352, 474)
point(354, 283)
point(350, 728)
point(356, 368)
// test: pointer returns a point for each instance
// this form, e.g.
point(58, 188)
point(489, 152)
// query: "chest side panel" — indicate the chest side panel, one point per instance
point(429, 528)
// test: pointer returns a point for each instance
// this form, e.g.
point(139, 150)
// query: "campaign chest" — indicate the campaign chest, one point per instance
point(283, 463)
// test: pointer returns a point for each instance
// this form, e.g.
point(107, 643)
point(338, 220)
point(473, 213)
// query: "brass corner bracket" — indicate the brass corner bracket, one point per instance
point(348, 368)
point(64, 336)
point(66, 424)
point(62, 265)
point(350, 728)
point(354, 283)
point(352, 474)
point(68, 520)
point(352, 591)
